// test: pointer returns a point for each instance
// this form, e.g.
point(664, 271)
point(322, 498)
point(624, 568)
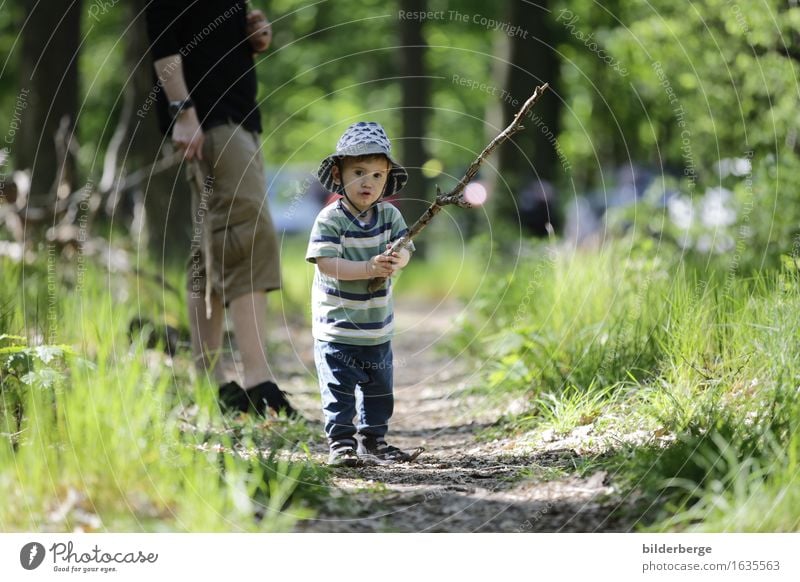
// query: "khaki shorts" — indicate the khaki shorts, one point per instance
point(232, 205)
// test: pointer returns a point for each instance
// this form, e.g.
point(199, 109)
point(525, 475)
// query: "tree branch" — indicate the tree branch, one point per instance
point(456, 195)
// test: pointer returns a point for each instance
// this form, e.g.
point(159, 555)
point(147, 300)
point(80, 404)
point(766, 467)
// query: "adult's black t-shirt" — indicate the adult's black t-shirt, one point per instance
point(218, 64)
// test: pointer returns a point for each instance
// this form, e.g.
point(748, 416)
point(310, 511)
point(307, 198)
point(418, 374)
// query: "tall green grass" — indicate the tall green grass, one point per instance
point(631, 342)
point(98, 434)
point(568, 319)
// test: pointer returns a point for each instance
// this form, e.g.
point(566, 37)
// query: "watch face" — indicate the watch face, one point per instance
point(175, 107)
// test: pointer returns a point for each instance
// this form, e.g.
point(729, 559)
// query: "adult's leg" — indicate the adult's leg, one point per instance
point(246, 254)
point(249, 315)
point(206, 334)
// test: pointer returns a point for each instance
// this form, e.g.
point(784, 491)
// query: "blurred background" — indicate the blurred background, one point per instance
point(677, 121)
point(627, 294)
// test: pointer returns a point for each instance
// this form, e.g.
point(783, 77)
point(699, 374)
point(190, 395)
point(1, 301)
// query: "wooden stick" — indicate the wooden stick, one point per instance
point(456, 195)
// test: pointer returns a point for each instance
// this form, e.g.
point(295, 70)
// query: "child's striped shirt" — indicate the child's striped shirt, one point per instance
point(345, 311)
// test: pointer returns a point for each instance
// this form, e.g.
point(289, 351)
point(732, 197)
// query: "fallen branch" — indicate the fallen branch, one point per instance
point(63, 211)
point(456, 195)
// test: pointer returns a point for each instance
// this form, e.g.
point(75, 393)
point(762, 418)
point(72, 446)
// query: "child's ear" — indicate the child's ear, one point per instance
point(336, 175)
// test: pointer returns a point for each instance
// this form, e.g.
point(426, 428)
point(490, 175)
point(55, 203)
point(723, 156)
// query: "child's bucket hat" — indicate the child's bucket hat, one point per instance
point(363, 138)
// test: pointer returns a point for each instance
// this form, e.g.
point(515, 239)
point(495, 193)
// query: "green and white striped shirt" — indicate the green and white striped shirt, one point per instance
point(345, 311)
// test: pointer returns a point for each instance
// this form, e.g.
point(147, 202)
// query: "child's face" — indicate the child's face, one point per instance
point(364, 179)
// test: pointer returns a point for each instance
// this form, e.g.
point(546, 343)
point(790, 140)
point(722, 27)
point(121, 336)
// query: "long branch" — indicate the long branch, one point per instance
point(514, 127)
point(456, 195)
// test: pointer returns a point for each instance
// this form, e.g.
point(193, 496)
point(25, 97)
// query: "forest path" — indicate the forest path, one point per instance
point(461, 483)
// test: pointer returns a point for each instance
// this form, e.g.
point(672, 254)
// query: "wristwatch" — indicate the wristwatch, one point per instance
point(176, 107)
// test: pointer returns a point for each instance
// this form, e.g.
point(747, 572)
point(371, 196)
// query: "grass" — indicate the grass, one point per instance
point(98, 434)
point(686, 378)
point(573, 407)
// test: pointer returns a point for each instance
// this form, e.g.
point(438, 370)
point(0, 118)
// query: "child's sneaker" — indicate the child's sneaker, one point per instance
point(374, 450)
point(343, 454)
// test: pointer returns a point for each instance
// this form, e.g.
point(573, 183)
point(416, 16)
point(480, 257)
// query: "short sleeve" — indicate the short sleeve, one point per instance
point(162, 18)
point(325, 240)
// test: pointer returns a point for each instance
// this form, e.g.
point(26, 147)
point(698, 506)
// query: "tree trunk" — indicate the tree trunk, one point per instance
point(49, 83)
point(166, 195)
point(531, 165)
point(416, 93)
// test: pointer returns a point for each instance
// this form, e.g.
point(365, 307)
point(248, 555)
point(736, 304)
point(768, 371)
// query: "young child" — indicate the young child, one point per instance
point(352, 326)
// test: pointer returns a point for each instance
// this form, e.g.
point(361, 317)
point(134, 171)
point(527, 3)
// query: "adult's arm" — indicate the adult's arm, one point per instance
point(186, 131)
point(162, 17)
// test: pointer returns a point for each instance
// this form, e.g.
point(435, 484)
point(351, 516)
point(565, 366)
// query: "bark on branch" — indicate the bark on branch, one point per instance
point(456, 195)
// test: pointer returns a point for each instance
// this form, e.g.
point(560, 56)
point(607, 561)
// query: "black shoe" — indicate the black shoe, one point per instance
point(267, 394)
point(169, 338)
point(233, 398)
point(343, 454)
point(374, 450)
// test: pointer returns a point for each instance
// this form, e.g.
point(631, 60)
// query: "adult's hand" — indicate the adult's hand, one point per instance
point(187, 135)
point(259, 31)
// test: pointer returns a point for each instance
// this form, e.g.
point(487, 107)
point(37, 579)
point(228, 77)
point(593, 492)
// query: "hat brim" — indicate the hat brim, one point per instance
point(398, 176)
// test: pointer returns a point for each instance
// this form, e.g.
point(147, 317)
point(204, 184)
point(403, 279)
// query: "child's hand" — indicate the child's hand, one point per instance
point(383, 265)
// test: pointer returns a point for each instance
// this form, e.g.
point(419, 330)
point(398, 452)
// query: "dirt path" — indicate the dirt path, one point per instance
point(460, 483)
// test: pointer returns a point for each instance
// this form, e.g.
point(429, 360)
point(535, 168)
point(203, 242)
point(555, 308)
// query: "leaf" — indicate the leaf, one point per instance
point(13, 350)
point(48, 353)
point(660, 432)
point(506, 342)
point(45, 378)
point(16, 359)
point(91, 366)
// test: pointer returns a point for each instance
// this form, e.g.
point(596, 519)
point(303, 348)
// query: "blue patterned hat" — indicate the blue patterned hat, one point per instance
point(363, 138)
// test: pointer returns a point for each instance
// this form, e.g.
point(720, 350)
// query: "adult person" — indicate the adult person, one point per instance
point(203, 55)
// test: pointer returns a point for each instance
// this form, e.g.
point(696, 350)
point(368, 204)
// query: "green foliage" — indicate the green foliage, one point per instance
point(24, 368)
point(706, 83)
point(720, 70)
point(101, 434)
point(686, 378)
point(329, 68)
point(573, 407)
point(566, 319)
point(103, 86)
point(730, 469)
